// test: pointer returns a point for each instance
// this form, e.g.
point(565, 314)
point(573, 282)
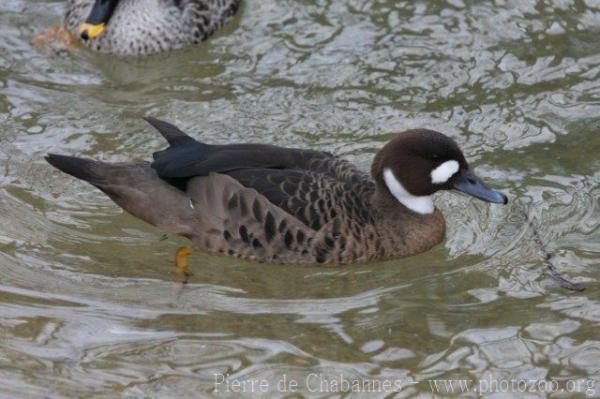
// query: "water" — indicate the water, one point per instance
point(89, 304)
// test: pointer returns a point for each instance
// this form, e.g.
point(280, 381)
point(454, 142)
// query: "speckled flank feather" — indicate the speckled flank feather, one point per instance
point(262, 202)
point(142, 27)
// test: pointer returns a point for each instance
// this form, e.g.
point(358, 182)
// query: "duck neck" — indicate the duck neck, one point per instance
point(404, 231)
point(391, 203)
point(419, 204)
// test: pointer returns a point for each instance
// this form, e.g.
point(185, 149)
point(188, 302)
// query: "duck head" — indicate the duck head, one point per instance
point(96, 22)
point(417, 163)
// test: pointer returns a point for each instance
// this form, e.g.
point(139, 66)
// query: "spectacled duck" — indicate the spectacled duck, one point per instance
point(289, 205)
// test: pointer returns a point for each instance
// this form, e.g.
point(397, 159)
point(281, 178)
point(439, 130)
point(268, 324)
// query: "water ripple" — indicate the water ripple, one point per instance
point(89, 304)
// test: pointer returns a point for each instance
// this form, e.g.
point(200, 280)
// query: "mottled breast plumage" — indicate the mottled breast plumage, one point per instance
point(142, 27)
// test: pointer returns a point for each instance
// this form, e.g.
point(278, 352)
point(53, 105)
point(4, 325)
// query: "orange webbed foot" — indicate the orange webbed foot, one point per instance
point(182, 265)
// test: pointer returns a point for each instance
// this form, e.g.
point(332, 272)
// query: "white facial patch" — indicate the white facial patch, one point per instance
point(422, 204)
point(445, 171)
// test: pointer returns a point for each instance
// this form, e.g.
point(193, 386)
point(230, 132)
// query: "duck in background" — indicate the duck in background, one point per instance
point(139, 27)
point(276, 204)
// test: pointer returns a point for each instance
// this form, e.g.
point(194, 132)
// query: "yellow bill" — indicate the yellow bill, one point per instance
point(91, 31)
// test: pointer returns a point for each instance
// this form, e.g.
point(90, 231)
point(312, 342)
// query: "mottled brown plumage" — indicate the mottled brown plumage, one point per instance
point(279, 204)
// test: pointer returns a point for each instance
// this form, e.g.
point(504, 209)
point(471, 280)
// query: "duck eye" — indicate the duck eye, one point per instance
point(435, 157)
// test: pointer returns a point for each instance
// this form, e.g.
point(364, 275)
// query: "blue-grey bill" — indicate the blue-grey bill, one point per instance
point(472, 185)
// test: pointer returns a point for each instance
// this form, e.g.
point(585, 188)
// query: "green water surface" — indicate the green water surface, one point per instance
point(89, 305)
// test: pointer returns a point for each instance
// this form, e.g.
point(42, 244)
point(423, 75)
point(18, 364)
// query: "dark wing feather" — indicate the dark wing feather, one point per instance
point(170, 132)
point(313, 198)
point(187, 157)
point(201, 159)
point(191, 158)
point(237, 220)
point(313, 186)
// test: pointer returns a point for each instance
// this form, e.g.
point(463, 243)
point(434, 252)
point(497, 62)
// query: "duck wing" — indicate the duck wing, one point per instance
point(315, 199)
point(186, 157)
point(238, 220)
point(313, 186)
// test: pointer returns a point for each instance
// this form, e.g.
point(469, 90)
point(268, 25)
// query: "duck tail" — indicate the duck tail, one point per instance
point(81, 168)
point(136, 188)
